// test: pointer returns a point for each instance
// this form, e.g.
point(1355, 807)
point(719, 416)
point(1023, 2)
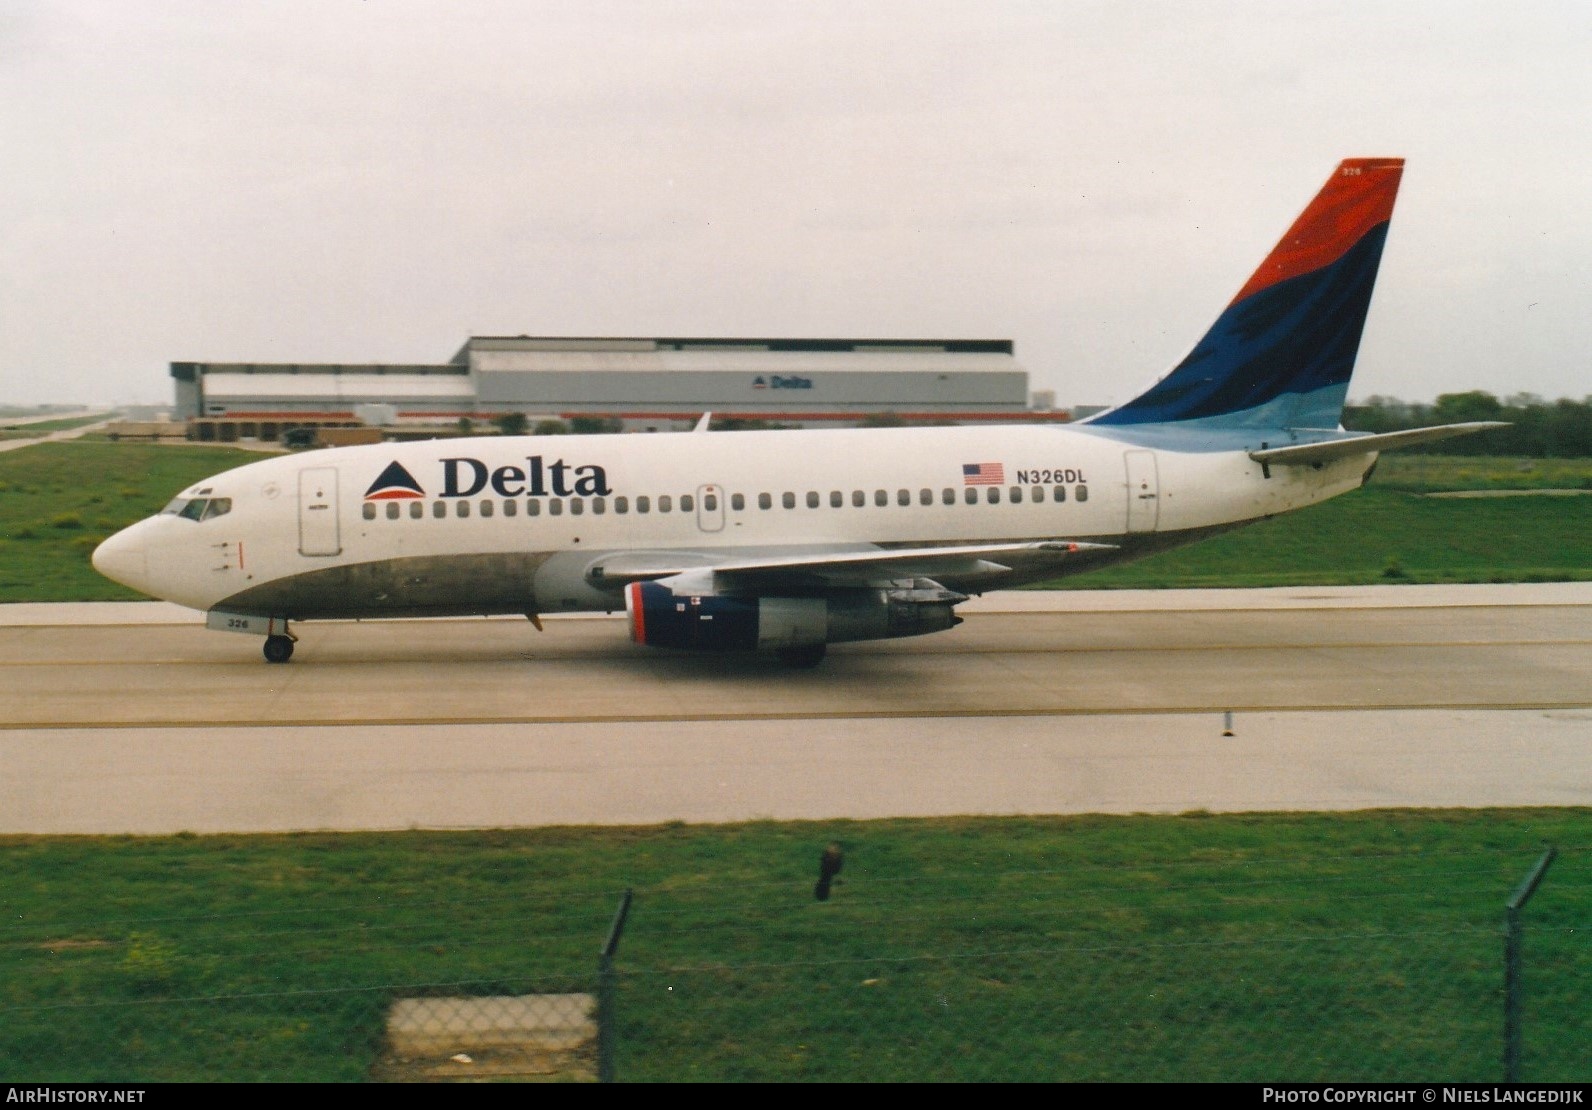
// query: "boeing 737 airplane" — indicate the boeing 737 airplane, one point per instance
point(787, 541)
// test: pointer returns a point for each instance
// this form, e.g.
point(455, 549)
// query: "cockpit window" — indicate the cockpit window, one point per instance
point(200, 508)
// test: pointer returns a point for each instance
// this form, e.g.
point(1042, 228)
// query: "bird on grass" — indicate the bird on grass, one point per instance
point(828, 868)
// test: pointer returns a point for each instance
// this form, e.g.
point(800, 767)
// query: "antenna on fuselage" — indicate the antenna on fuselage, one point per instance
point(702, 425)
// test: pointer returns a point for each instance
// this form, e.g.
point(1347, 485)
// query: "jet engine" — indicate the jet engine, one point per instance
point(660, 617)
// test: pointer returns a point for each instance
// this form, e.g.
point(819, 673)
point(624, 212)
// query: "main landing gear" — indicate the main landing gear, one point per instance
point(279, 646)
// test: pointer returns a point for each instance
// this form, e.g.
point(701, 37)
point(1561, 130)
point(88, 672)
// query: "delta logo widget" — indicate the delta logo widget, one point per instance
point(465, 477)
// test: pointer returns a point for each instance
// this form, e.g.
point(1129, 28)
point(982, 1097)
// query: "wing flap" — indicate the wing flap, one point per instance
point(911, 562)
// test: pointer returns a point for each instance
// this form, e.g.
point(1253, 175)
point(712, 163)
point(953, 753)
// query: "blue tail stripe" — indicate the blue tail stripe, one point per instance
point(1298, 337)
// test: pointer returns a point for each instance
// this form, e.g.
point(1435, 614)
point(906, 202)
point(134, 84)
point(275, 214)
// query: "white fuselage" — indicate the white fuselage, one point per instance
point(513, 524)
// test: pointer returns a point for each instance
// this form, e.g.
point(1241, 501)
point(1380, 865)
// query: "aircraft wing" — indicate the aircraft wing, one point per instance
point(1327, 450)
point(835, 567)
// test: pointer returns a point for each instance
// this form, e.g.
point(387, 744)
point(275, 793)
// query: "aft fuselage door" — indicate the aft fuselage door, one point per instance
point(1144, 495)
point(318, 534)
point(710, 508)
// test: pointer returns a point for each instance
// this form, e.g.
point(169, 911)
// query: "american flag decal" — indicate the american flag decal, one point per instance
point(983, 474)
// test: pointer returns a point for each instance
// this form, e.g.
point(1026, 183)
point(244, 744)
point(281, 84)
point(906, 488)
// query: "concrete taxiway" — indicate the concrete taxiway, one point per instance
point(133, 718)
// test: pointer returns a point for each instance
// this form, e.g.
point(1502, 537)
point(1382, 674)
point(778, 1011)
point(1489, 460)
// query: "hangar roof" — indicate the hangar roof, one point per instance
point(613, 344)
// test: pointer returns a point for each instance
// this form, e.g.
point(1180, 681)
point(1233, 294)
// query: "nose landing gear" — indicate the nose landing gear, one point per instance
point(279, 647)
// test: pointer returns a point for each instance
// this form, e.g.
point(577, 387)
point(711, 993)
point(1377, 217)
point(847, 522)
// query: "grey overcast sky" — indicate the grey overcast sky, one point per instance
point(376, 180)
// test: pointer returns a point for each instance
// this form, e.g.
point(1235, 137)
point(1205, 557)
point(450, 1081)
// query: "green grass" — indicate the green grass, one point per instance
point(1361, 946)
point(35, 429)
point(59, 500)
point(1416, 473)
point(1245, 948)
point(1378, 536)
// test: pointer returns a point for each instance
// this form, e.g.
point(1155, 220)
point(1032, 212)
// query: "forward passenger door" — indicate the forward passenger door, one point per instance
point(318, 528)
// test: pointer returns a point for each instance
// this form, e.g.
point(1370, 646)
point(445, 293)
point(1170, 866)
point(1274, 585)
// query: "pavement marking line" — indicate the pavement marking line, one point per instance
point(688, 718)
point(1103, 649)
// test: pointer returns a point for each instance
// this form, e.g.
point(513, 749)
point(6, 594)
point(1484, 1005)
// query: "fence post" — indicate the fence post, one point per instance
point(605, 993)
point(1512, 939)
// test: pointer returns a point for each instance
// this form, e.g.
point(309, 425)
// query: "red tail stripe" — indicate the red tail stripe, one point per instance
point(1357, 197)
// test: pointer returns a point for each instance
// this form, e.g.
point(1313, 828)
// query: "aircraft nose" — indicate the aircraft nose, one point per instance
point(123, 558)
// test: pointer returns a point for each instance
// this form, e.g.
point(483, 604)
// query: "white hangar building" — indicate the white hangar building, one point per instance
point(644, 384)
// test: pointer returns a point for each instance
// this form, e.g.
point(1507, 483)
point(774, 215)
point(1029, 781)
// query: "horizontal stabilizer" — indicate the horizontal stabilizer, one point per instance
point(1328, 450)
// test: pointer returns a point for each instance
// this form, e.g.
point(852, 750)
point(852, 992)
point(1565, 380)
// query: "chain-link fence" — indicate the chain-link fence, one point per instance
point(1117, 989)
point(1366, 1008)
point(1328, 1008)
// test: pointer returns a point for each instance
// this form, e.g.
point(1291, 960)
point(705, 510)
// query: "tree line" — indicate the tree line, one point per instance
point(1537, 428)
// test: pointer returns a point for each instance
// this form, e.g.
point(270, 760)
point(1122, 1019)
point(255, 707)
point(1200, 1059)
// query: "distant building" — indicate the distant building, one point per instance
point(637, 384)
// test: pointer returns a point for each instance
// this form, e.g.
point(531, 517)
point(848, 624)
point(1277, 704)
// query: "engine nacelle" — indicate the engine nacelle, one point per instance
point(710, 622)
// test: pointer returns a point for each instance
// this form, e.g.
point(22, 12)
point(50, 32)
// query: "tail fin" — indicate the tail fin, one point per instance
point(1281, 354)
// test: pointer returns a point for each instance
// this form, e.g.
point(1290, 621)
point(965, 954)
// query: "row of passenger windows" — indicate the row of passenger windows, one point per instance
point(665, 503)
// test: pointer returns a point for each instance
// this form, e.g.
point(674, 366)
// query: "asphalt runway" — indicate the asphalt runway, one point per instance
point(133, 718)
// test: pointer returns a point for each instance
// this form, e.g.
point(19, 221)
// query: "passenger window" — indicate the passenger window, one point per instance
point(1017, 494)
point(836, 499)
point(686, 503)
point(510, 508)
point(1037, 494)
point(461, 508)
point(788, 500)
point(970, 495)
point(765, 501)
point(370, 511)
point(486, 508)
point(925, 497)
point(948, 495)
point(903, 497)
point(710, 501)
point(993, 495)
point(599, 506)
point(1081, 493)
point(576, 506)
point(621, 505)
point(533, 507)
point(665, 503)
point(439, 509)
point(643, 504)
point(392, 510)
point(880, 497)
point(858, 499)
point(555, 507)
point(416, 510)
point(812, 499)
point(1060, 494)
point(737, 502)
